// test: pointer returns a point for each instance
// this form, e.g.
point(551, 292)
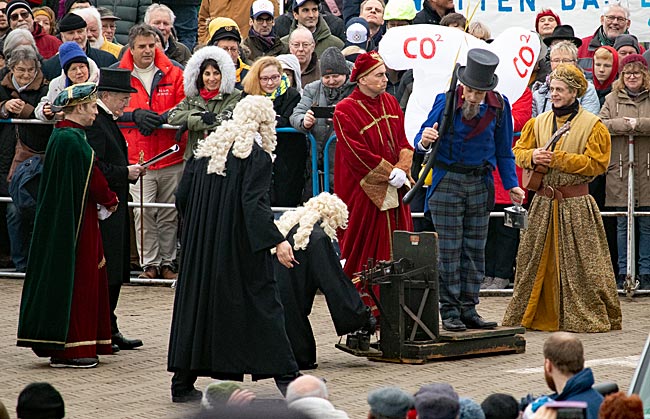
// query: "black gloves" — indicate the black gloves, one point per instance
point(146, 121)
point(180, 132)
point(208, 118)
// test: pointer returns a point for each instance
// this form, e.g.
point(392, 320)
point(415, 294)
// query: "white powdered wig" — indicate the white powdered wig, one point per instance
point(252, 118)
point(328, 208)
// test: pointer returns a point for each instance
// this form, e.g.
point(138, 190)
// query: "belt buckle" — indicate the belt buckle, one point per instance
point(546, 188)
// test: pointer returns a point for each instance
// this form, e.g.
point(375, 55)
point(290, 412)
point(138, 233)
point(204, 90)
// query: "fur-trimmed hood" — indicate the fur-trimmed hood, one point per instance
point(226, 66)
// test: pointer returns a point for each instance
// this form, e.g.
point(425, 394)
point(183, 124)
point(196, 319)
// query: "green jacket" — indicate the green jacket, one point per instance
point(189, 111)
point(322, 36)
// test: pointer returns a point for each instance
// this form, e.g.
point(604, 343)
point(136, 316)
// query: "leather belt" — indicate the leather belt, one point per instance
point(563, 192)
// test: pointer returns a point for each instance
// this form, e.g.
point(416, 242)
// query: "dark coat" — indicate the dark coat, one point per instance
point(259, 49)
point(177, 51)
point(111, 153)
point(291, 155)
point(579, 389)
point(129, 11)
point(285, 23)
point(429, 15)
point(228, 320)
point(33, 136)
point(52, 66)
point(319, 268)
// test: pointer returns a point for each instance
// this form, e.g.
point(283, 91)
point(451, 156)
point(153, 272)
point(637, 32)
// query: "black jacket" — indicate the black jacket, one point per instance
point(52, 66)
point(428, 15)
point(284, 22)
point(129, 11)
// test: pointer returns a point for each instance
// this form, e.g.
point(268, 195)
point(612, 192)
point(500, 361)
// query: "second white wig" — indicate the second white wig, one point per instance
point(253, 119)
point(325, 207)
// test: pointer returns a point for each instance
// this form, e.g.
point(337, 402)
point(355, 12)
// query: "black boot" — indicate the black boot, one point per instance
point(183, 387)
point(283, 381)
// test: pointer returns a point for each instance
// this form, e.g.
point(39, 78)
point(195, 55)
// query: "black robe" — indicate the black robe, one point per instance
point(319, 269)
point(228, 320)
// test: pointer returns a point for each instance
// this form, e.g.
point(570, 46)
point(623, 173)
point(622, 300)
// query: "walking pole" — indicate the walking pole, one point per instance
point(141, 161)
point(630, 282)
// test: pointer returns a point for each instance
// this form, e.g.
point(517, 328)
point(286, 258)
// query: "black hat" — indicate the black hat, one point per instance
point(40, 400)
point(298, 3)
point(115, 80)
point(563, 33)
point(71, 22)
point(479, 71)
point(17, 4)
point(332, 61)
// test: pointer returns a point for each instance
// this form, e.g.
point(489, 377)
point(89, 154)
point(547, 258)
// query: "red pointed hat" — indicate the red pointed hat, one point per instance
point(364, 64)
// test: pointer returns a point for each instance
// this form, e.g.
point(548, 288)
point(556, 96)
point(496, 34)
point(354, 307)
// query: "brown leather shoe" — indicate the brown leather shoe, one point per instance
point(167, 272)
point(150, 272)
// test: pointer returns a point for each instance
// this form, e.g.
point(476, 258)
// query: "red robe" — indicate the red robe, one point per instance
point(370, 142)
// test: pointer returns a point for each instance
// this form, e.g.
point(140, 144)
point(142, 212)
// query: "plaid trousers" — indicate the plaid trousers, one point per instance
point(459, 211)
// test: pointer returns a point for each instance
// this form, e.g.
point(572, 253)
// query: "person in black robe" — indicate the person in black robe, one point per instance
point(110, 147)
point(228, 320)
point(312, 229)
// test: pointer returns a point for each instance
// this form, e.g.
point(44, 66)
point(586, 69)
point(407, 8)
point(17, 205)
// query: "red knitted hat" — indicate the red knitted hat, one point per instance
point(632, 58)
point(546, 12)
point(364, 64)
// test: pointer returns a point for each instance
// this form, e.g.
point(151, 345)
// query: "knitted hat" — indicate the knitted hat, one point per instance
point(333, 62)
point(390, 402)
point(223, 28)
point(500, 406)
point(572, 76)
point(626, 40)
point(357, 32)
point(469, 409)
point(633, 58)
point(546, 12)
point(69, 53)
point(17, 4)
point(437, 401)
point(364, 64)
point(71, 22)
point(40, 400)
point(400, 10)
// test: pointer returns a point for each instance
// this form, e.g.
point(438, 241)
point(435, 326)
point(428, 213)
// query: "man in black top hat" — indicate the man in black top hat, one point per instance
point(562, 33)
point(461, 195)
point(40, 400)
point(110, 147)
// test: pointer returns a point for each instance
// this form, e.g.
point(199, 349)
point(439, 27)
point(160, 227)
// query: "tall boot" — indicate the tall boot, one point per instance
point(283, 381)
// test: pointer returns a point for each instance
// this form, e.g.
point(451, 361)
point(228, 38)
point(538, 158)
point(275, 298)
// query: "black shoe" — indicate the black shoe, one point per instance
point(476, 322)
point(453, 325)
point(283, 381)
point(371, 323)
point(124, 343)
point(73, 362)
point(187, 396)
point(115, 348)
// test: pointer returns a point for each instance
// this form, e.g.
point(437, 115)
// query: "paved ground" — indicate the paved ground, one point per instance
point(135, 384)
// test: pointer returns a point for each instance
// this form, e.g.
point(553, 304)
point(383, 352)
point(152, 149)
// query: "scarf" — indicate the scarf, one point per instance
point(282, 88)
point(603, 39)
point(566, 110)
point(268, 40)
point(612, 76)
point(208, 94)
point(333, 94)
point(21, 88)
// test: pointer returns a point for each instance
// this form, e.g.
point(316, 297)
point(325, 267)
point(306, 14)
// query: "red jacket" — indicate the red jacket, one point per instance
point(587, 50)
point(47, 45)
point(166, 92)
point(522, 110)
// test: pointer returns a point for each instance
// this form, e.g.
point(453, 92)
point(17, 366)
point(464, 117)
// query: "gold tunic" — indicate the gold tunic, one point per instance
point(564, 278)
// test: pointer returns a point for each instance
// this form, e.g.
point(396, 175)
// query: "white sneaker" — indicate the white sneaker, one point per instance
point(487, 283)
point(500, 284)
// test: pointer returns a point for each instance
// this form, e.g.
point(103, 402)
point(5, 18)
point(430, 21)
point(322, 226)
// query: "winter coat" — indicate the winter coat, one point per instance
point(618, 105)
point(542, 100)
point(177, 51)
point(579, 389)
point(428, 15)
point(129, 11)
point(33, 136)
point(312, 72)
point(166, 92)
point(286, 23)
point(52, 67)
point(190, 109)
point(259, 49)
point(239, 11)
point(322, 36)
point(47, 45)
point(58, 84)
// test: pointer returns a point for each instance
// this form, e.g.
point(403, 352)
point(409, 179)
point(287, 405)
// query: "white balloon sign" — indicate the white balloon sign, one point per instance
point(432, 51)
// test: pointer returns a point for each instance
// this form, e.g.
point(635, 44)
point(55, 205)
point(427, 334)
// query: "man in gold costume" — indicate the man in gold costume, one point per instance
point(564, 278)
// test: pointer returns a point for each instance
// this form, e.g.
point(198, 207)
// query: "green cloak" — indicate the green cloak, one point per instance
point(47, 292)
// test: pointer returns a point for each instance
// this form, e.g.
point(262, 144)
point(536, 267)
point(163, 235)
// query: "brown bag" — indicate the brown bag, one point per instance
point(21, 154)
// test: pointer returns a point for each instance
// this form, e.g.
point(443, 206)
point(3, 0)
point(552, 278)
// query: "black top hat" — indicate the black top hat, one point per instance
point(115, 80)
point(479, 71)
point(563, 33)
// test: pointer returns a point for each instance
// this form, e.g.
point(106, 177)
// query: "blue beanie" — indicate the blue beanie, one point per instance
point(69, 53)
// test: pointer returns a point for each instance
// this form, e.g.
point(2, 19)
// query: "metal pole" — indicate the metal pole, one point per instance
point(630, 282)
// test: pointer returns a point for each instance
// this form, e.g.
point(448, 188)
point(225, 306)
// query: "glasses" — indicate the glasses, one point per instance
point(264, 19)
point(562, 60)
point(231, 50)
point(272, 79)
point(634, 74)
point(618, 19)
point(23, 70)
point(303, 45)
point(20, 15)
